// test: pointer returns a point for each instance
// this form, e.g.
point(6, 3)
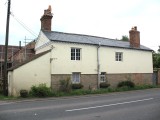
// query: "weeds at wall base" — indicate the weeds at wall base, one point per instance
point(103, 90)
point(86, 92)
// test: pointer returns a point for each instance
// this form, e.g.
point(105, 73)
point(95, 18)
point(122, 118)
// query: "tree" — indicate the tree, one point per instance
point(159, 49)
point(125, 38)
point(156, 60)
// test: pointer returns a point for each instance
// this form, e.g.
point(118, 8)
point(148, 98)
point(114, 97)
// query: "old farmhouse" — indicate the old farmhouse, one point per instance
point(85, 59)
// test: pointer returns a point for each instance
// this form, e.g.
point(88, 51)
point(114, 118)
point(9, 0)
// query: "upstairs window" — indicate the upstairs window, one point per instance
point(75, 53)
point(119, 56)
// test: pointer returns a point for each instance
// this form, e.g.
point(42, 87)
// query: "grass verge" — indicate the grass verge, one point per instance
point(2, 97)
point(103, 91)
point(86, 92)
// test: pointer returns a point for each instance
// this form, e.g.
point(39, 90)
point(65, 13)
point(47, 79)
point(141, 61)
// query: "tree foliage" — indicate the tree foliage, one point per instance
point(125, 38)
point(156, 60)
point(159, 50)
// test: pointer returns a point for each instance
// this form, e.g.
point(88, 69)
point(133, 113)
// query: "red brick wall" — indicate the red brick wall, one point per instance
point(11, 51)
point(46, 22)
point(19, 56)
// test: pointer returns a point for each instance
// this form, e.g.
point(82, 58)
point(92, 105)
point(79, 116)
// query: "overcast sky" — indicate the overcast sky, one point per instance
point(105, 18)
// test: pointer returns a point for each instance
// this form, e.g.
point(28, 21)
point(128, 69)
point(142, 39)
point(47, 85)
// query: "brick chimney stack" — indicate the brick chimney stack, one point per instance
point(134, 36)
point(46, 19)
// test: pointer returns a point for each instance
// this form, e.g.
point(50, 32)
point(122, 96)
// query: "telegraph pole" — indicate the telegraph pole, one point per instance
point(5, 81)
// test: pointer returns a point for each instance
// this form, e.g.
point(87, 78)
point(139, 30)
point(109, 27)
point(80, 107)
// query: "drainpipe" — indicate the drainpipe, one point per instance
point(51, 59)
point(98, 67)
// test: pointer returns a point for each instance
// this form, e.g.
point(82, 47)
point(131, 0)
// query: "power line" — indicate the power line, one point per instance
point(22, 24)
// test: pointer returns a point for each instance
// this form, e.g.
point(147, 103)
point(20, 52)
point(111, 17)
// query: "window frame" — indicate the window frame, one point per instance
point(76, 54)
point(119, 56)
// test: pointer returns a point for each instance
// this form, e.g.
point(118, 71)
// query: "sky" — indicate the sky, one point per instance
point(104, 18)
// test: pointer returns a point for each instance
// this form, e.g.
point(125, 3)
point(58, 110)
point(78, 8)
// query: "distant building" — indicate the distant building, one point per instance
point(25, 53)
point(11, 51)
point(16, 55)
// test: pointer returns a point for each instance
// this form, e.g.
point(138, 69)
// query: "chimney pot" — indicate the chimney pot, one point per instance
point(135, 28)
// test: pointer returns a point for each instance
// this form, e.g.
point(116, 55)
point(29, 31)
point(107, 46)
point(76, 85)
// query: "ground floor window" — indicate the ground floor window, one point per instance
point(75, 77)
point(103, 77)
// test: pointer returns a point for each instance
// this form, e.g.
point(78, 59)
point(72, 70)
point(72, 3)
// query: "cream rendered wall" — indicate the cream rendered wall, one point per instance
point(10, 84)
point(134, 61)
point(62, 63)
point(32, 73)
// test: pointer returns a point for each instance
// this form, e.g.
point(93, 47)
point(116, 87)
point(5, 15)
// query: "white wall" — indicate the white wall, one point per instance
point(134, 61)
point(42, 44)
point(62, 63)
point(32, 73)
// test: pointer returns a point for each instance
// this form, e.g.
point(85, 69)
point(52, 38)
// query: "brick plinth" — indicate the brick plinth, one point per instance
point(137, 78)
point(89, 81)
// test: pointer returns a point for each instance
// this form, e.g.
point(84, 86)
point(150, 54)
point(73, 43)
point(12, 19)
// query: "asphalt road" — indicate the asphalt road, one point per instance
point(133, 105)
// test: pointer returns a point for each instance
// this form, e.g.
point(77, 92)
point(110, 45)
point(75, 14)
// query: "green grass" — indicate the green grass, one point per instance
point(87, 92)
point(2, 97)
point(103, 91)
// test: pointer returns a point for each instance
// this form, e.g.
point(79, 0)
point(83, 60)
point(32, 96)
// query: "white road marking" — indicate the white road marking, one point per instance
point(5, 103)
point(87, 108)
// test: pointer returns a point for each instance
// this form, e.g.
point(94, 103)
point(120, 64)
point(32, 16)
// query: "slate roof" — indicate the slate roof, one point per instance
point(88, 39)
point(29, 60)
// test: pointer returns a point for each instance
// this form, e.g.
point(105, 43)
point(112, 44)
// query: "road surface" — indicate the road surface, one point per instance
point(132, 105)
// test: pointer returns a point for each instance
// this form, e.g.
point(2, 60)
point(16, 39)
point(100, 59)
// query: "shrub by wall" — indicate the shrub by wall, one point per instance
point(126, 84)
point(65, 85)
point(104, 85)
point(77, 86)
point(24, 93)
point(41, 91)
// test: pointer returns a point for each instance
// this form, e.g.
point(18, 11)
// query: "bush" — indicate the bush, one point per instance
point(126, 83)
point(65, 85)
point(41, 91)
point(104, 85)
point(77, 86)
point(24, 93)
